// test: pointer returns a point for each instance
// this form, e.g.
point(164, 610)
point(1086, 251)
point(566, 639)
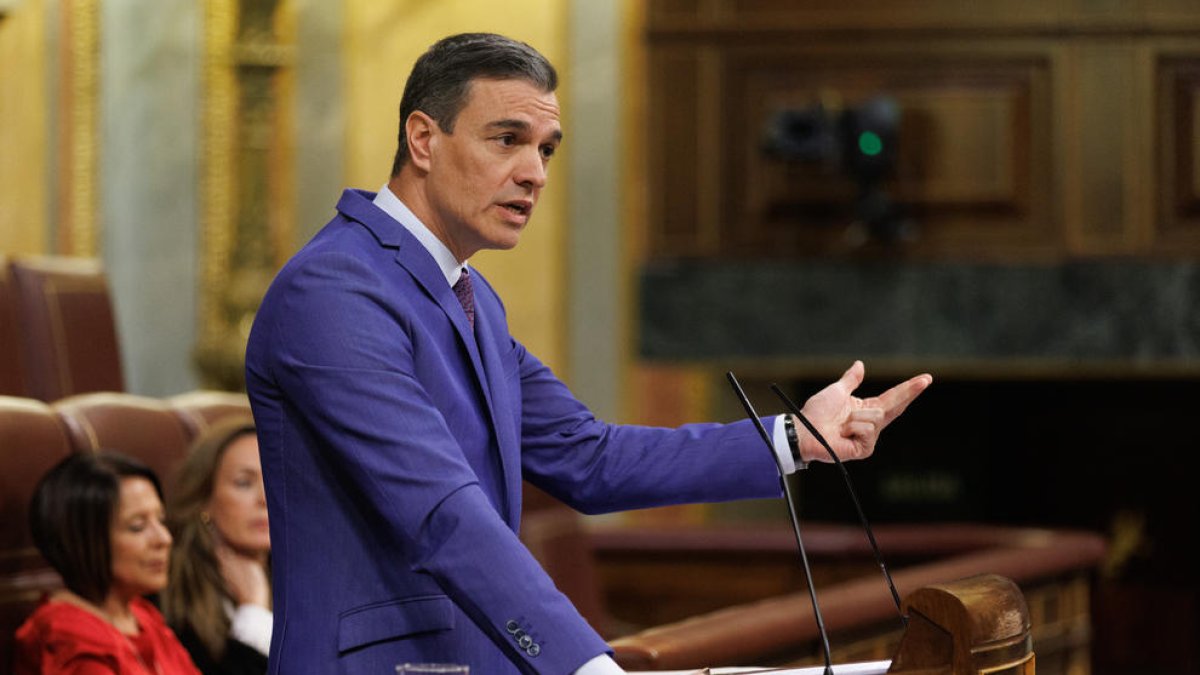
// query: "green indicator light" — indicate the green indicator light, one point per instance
point(870, 143)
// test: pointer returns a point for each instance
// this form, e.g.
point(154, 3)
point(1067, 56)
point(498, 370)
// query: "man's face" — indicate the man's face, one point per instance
point(485, 178)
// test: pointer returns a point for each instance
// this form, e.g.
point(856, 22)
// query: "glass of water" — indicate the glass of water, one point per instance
point(431, 669)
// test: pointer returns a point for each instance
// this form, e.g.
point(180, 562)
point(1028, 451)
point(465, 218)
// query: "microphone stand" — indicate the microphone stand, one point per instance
point(862, 517)
point(793, 505)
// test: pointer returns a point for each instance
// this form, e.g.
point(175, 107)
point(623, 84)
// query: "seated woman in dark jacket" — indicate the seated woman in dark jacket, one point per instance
point(219, 596)
point(98, 520)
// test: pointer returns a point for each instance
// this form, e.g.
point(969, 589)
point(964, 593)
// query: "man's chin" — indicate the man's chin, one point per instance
point(507, 241)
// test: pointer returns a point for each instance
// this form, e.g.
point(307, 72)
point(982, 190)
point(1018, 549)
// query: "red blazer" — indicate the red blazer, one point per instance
point(62, 638)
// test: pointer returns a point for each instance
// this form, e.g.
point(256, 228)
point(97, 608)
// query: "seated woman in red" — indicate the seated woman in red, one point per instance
point(98, 520)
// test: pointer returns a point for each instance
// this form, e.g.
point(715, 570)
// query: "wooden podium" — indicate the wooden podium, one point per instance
point(977, 625)
point(972, 626)
point(939, 569)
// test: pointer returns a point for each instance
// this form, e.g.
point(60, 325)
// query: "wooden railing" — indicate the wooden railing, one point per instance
point(667, 572)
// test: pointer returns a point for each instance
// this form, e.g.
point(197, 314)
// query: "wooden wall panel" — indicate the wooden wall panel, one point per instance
point(1180, 14)
point(1108, 158)
point(673, 153)
point(1178, 118)
point(851, 14)
point(972, 164)
point(990, 17)
point(1031, 131)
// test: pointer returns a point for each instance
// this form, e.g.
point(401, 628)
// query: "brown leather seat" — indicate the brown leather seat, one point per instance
point(139, 426)
point(199, 409)
point(68, 329)
point(32, 440)
point(12, 368)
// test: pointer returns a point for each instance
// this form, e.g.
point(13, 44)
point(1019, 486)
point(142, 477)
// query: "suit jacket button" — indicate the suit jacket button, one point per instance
point(525, 641)
point(533, 649)
point(512, 626)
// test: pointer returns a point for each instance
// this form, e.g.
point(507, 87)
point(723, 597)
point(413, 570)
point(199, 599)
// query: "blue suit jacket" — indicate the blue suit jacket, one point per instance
point(394, 440)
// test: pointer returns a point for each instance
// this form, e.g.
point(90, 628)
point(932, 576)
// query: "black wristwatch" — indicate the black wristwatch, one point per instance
point(793, 439)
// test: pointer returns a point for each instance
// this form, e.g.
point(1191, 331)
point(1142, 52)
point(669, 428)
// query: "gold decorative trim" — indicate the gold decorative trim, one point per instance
point(78, 150)
point(219, 120)
point(247, 173)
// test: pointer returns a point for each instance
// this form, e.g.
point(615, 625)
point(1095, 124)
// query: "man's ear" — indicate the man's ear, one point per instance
point(420, 129)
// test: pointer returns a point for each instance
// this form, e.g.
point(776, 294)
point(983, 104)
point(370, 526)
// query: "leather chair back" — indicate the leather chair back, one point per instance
point(201, 408)
point(12, 367)
point(142, 427)
point(68, 328)
point(32, 440)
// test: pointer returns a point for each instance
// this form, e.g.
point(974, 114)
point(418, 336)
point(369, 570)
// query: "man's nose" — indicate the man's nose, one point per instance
point(531, 170)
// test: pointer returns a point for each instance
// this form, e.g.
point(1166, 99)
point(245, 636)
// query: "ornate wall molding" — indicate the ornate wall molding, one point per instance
point(78, 228)
point(247, 173)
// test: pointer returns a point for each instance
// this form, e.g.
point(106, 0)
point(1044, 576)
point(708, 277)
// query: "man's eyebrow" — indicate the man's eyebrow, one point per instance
point(521, 125)
point(509, 124)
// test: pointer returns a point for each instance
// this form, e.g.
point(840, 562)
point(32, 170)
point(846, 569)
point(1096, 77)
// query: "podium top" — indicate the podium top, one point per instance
point(859, 668)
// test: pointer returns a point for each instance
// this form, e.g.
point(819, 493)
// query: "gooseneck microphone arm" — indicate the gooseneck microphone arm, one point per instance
point(792, 510)
point(862, 517)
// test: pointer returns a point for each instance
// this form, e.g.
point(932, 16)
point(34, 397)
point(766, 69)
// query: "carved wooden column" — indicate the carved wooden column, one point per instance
point(247, 174)
point(77, 226)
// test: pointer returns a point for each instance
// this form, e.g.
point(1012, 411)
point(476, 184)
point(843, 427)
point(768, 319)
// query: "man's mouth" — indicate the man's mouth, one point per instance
point(521, 208)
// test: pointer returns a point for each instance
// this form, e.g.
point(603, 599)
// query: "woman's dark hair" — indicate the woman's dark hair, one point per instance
point(71, 516)
point(441, 78)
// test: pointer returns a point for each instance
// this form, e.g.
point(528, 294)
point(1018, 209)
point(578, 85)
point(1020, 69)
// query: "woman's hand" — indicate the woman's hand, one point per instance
point(245, 577)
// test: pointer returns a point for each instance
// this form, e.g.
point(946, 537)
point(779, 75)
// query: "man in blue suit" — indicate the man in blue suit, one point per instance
point(397, 415)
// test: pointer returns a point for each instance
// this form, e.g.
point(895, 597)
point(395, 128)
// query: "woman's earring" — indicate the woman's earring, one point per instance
point(205, 518)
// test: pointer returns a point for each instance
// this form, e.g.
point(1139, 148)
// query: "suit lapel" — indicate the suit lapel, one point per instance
point(494, 340)
point(414, 258)
point(419, 263)
point(489, 323)
point(487, 363)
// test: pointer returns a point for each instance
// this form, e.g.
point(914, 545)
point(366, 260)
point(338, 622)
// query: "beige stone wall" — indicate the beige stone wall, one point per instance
point(23, 134)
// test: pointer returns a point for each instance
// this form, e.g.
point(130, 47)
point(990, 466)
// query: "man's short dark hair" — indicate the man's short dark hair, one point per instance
point(441, 78)
point(71, 516)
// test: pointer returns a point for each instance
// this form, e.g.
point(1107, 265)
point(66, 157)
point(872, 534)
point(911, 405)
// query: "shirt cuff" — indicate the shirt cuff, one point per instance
point(251, 625)
point(601, 665)
point(783, 451)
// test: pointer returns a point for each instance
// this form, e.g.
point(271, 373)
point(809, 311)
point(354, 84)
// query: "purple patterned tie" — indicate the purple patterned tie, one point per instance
point(466, 297)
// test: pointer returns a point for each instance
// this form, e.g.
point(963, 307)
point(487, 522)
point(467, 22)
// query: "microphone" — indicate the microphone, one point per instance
point(792, 509)
point(862, 517)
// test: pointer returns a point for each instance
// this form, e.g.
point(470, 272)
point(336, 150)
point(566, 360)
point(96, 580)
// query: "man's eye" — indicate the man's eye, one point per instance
point(548, 151)
point(507, 139)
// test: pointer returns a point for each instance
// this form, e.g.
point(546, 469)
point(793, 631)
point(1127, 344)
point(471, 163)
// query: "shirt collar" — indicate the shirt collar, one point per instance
point(387, 200)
